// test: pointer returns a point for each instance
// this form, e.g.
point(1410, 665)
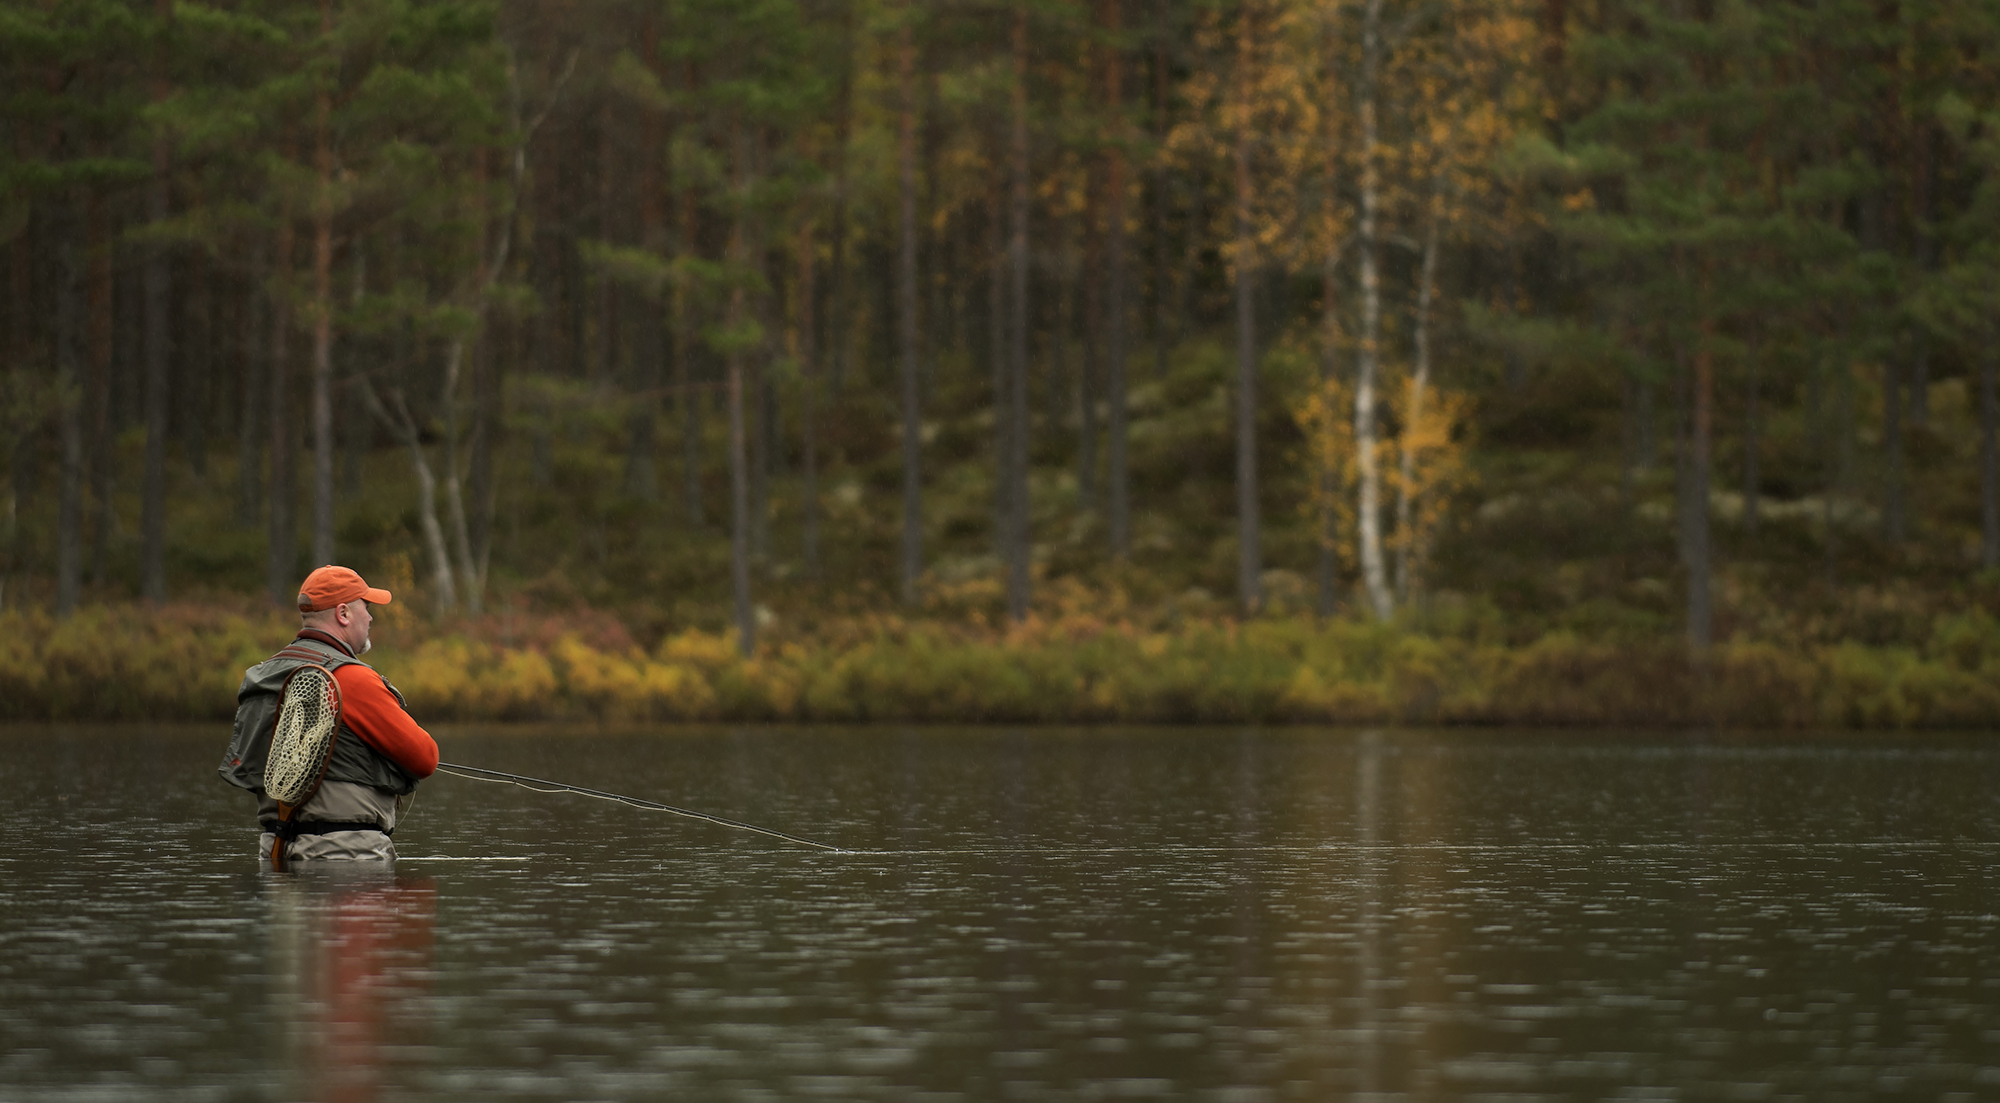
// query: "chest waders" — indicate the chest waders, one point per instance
point(258, 701)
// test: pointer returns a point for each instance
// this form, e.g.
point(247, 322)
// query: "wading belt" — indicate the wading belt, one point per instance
point(292, 829)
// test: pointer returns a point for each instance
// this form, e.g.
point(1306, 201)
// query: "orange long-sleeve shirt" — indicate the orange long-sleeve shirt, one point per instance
point(374, 714)
point(371, 711)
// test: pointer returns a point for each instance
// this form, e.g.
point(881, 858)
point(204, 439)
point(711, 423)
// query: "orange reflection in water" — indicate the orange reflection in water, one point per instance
point(354, 954)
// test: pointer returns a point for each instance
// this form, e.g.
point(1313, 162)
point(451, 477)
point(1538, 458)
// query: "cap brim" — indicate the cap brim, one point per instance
point(375, 597)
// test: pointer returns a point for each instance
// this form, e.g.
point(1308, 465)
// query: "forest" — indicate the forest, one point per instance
point(1592, 361)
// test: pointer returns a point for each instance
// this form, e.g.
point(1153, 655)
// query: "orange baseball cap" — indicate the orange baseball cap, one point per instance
point(330, 586)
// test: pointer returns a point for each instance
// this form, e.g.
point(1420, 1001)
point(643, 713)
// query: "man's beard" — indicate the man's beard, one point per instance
point(366, 644)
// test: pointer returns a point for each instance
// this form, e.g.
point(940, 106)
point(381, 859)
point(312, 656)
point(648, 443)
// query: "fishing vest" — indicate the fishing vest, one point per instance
point(257, 714)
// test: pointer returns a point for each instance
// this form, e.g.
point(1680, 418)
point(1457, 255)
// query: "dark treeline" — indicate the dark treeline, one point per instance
point(1361, 299)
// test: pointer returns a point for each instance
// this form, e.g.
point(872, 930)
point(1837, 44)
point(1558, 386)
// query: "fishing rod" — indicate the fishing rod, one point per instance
point(538, 785)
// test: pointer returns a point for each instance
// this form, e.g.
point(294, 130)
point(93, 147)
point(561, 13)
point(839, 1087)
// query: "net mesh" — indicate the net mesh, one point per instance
point(308, 715)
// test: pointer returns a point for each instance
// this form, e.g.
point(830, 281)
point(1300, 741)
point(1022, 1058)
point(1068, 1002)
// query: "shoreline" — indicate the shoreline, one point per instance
point(182, 663)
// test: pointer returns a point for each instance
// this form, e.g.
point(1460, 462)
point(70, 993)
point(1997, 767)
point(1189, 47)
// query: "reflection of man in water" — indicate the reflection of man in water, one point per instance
point(379, 754)
point(350, 957)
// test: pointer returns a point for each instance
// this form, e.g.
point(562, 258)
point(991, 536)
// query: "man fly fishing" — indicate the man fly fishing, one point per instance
point(360, 777)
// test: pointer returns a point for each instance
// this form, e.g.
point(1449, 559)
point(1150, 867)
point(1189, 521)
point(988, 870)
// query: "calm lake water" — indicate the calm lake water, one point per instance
point(1205, 915)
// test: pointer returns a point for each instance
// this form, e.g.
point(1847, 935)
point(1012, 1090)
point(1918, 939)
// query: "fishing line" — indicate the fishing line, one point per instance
point(538, 785)
point(1322, 849)
point(466, 858)
point(1394, 848)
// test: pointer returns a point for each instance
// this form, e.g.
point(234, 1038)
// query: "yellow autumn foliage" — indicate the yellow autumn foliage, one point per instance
point(183, 663)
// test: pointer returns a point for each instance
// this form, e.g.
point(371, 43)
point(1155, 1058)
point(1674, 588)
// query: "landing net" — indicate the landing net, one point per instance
point(308, 716)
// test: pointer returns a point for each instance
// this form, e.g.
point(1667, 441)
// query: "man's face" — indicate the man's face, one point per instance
point(359, 618)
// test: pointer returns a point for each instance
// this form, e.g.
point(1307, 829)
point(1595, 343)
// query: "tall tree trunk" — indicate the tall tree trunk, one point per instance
point(1000, 339)
point(197, 361)
point(575, 282)
point(1893, 527)
point(249, 424)
point(1989, 453)
point(757, 386)
point(1752, 479)
point(454, 364)
point(809, 399)
point(690, 402)
point(642, 480)
point(281, 545)
point(1086, 373)
point(70, 265)
point(1924, 248)
point(1156, 200)
point(355, 432)
point(604, 346)
point(1249, 558)
point(739, 475)
point(1413, 408)
point(159, 352)
point(739, 494)
point(99, 439)
point(1016, 467)
point(322, 356)
point(395, 416)
point(480, 484)
point(1368, 509)
point(1694, 514)
point(427, 521)
point(24, 324)
point(931, 315)
point(454, 498)
point(911, 560)
point(1683, 384)
point(1118, 479)
point(761, 387)
point(839, 308)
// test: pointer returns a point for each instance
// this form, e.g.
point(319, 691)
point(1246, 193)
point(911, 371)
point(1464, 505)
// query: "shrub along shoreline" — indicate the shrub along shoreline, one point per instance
point(183, 662)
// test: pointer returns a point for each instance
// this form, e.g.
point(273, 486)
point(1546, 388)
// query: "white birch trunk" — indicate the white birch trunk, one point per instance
point(454, 499)
point(404, 429)
point(322, 356)
point(739, 474)
point(1368, 514)
point(441, 576)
